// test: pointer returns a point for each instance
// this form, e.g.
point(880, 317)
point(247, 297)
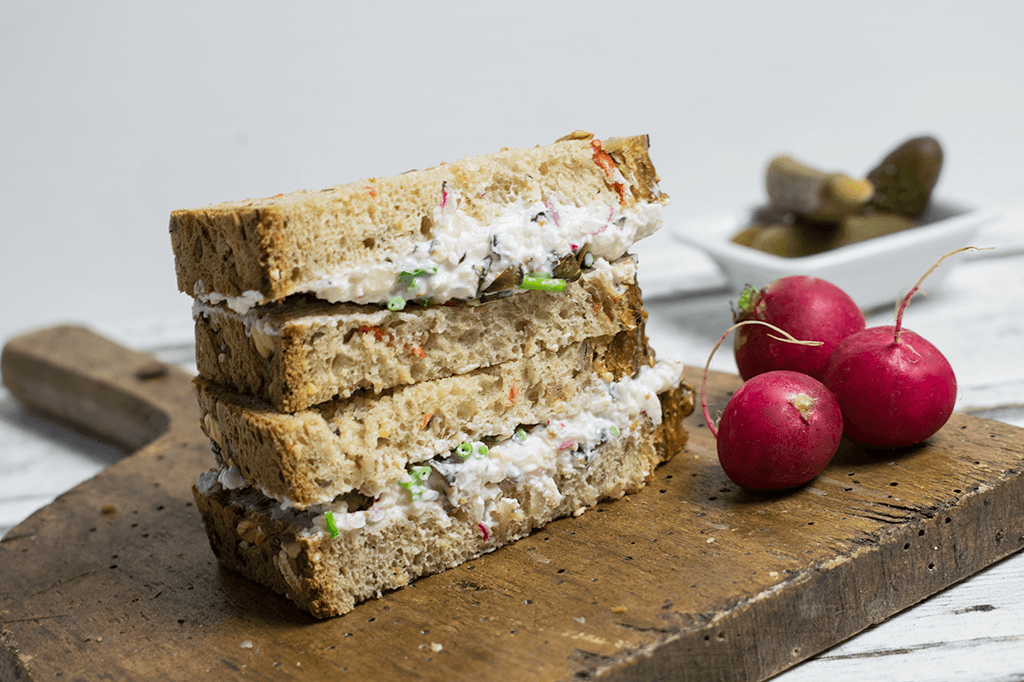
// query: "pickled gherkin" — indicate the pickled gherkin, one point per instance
point(813, 194)
point(810, 211)
point(905, 178)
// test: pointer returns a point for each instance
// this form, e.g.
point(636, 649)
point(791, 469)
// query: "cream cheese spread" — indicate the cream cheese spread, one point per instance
point(465, 256)
point(264, 330)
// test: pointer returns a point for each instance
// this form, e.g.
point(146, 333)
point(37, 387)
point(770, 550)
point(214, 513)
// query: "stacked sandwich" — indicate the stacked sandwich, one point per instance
point(400, 374)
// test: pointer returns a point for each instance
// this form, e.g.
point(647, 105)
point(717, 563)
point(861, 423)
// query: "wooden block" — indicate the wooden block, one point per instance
point(691, 579)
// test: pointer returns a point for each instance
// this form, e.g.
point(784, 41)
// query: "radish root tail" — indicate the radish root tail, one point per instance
point(906, 300)
point(785, 338)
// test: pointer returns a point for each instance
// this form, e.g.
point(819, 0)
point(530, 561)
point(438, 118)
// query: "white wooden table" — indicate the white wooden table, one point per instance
point(972, 631)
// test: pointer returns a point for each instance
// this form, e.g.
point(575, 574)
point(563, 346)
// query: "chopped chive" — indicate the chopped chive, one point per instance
point(332, 527)
point(396, 303)
point(520, 436)
point(542, 284)
point(615, 430)
point(407, 278)
point(415, 483)
point(482, 451)
point(421, 473)
point(415, 489)
point(418, 272)
point(465, 450)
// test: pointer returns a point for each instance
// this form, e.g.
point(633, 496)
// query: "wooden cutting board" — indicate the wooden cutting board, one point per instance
point(690, 579)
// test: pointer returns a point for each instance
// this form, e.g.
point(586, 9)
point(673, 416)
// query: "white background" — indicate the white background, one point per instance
point(112, 114)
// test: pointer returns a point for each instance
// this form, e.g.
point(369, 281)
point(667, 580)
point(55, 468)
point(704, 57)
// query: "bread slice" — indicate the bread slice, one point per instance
point(298, 354)
point(293, 554)
point(451, 232)
point(364, 443)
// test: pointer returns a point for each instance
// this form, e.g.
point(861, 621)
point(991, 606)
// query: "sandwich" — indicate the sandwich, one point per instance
point(458, 231)
point(327, 558)
point(400, 374)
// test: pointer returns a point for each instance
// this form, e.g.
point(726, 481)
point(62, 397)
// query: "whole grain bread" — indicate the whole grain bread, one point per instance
point(365, 442)
point(267, 249)
point(298, 354)
point(326, 576)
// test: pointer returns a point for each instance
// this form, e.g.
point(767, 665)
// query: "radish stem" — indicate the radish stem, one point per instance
point(789, 338)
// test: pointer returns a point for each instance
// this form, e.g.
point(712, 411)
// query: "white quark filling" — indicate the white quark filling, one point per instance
point(470, 478)
point(239, 304)
point(465, 256)
point(231, 478)
point(265, 331)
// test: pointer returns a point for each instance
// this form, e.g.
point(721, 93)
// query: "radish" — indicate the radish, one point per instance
point(894, 387)
point(779, 430)
point(807, 307)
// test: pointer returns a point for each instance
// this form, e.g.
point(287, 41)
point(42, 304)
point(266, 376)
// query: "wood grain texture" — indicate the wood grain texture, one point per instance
point(691, 579)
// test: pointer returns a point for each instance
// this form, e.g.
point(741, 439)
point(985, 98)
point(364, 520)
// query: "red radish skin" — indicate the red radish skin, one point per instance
point(893, 393)
point(807, 308)
point(895, 388)
point(779, 431)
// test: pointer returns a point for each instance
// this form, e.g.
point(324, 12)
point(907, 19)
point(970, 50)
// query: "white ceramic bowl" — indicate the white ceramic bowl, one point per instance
point(874, 272)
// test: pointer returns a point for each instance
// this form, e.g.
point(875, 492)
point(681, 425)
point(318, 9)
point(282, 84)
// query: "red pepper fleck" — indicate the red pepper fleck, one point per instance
point(605, 162)
point(426, 420)
point(417, 351)
point(483, 529)
point(513, 393)
point(378, 333)
point(371, 190)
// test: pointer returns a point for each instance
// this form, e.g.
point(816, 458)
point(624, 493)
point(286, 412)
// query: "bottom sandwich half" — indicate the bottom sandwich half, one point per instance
point(447, 511)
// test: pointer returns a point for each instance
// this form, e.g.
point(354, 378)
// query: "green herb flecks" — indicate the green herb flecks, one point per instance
point(332, 527)
point(540, 282)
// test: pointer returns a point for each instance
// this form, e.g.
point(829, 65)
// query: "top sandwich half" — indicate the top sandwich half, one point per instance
point(459, 231)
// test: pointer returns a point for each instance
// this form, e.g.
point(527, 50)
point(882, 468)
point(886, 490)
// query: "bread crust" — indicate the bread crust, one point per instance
point(275, 245)
point(328, 577)
point(296, 355)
